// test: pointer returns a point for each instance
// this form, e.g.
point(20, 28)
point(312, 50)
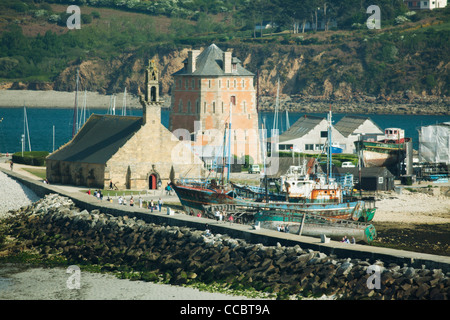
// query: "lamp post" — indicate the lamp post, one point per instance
point(23, 141)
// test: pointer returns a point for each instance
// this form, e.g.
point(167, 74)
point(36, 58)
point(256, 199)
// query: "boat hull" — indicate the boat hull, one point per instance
point(316, 226)
point(195, 199)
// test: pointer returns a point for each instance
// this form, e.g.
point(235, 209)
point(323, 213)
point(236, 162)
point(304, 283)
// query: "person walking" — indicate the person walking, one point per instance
point(151, 205)
point(160, 204)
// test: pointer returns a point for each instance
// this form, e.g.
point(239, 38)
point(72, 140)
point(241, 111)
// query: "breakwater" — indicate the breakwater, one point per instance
point(56, 226)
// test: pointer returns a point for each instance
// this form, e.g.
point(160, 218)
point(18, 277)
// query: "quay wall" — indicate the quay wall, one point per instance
point(245, 232)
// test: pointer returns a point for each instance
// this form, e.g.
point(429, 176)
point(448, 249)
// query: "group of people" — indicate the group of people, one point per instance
point(346, 240)
point(283, 228)
point(155, 206)
point(97, 193)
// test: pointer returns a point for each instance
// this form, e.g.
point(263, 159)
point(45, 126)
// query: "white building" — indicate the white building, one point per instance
point(352, 127)
point(309, 134)
point(425, 5)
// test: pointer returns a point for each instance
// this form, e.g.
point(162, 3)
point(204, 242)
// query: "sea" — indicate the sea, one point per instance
point(46, 129)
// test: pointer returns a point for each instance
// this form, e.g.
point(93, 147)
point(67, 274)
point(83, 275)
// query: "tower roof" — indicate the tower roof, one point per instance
point(210, 63)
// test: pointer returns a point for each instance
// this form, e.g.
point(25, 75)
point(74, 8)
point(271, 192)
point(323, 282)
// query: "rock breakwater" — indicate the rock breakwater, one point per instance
point(180, 255)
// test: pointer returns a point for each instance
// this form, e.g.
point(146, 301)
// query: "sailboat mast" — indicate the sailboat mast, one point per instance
point(26, 132)
point(124, 103)
point(330, 154)
point(275, 118)
point(288, 125)
point(229, 145)
point(224, 151)
point(75, 108)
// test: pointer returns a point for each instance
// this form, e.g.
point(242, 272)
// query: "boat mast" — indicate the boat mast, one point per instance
point(287, 120)
point(124, 103)
point(275, 118)
point(329, 162)
point(229, 144)
point(75, 108)
point(26, 132)
point(224, 151)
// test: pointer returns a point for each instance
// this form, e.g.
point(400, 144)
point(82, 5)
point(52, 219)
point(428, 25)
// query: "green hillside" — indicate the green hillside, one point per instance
point(408, 54)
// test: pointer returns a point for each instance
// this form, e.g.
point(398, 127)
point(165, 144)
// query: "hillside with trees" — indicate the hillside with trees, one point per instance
point(319, 50)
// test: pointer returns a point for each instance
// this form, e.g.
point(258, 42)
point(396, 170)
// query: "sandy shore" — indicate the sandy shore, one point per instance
point(60, 99)
point(413, 208)
point(52, 284)
point(63, 99)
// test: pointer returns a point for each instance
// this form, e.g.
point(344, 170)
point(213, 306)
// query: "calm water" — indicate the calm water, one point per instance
point(42, 120)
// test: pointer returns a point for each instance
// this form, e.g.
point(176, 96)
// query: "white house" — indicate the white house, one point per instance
point(352, 127)
point(309, 135)
point(425, 5)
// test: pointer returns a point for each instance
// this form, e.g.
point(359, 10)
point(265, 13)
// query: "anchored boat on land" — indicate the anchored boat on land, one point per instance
point(386, 152)
point(320, 200)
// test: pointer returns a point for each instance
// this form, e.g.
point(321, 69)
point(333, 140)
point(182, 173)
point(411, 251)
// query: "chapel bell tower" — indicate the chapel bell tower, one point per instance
point(150, 101)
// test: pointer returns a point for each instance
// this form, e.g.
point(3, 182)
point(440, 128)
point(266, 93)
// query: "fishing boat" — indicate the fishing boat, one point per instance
point(321, 197)
point(315, 225)
point(384, 153)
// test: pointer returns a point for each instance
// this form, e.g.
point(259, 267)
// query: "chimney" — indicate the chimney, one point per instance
point(227, 62)
point(192, 60)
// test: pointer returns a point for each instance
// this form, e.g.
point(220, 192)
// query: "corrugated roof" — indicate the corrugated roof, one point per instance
point(210, 63)
point(301, 127)
point(99, 139)
point(348, 124)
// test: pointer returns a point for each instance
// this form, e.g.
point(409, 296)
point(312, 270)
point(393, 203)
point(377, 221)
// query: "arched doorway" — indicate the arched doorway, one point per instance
point(153, 182)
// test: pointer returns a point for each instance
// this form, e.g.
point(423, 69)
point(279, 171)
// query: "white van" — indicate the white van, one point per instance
point(254, 168)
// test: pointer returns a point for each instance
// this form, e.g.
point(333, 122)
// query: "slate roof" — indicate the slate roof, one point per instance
point(210, 63)
point(301, 127)
point(348, 124)
point(99, 139)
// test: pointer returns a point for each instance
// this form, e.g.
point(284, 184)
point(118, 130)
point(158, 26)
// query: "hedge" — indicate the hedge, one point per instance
point(32, 158)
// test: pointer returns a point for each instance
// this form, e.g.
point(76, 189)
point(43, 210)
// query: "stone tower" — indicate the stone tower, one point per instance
point(150, 100)
point(212, 89)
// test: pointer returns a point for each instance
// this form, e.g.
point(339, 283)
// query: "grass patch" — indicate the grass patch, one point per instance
point(40, 173)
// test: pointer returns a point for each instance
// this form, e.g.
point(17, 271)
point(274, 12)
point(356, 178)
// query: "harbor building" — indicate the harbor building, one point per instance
point(131, 152)
point(354, 128)
point(308, 134)
point(211, 91)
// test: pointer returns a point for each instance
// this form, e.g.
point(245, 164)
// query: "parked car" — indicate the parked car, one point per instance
point(254, 168)
point(347, 164)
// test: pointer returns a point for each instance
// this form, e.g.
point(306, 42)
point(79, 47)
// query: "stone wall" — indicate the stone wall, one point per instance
point(180, 255)
point(152, 150)
point(75, 173)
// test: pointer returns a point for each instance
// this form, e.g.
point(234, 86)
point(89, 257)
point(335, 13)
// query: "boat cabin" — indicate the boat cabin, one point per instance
point(394, 135)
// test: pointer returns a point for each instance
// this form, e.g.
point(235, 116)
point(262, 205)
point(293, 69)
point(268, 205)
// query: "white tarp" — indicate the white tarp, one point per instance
point(434, 143)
